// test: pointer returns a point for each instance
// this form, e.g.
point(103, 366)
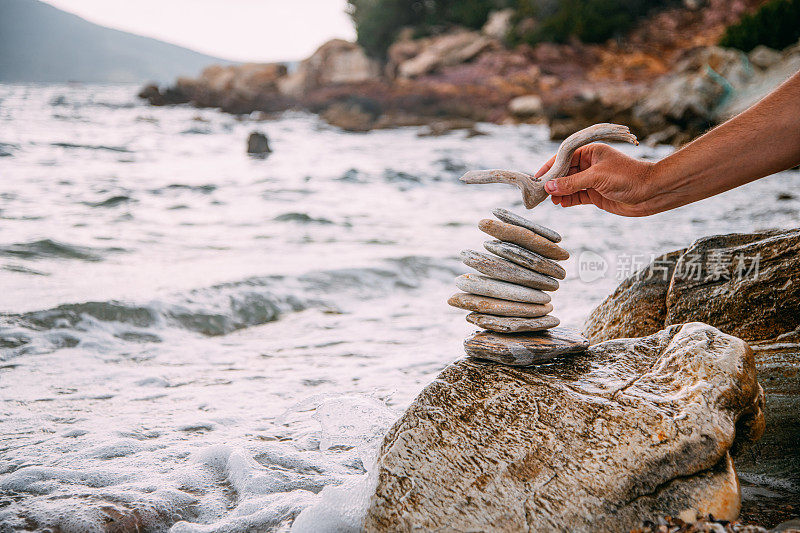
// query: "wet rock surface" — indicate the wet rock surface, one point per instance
point(762, 306)
point(631, 430)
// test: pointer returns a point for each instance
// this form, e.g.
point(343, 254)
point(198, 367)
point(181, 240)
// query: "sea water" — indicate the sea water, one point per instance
point(196, 340)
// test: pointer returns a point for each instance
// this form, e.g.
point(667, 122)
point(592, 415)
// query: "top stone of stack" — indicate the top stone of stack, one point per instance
point(512, 218)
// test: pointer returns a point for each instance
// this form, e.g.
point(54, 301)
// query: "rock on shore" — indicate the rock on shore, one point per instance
point(633, 429)
point(745, 285)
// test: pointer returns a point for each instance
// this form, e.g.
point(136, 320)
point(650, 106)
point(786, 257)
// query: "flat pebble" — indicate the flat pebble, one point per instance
point(523, 237)
point(496, 306)
point(512, 218)
point(523, 349)
point(507, 271)
point(526, 258)
point(506, 324)
point(486, 286)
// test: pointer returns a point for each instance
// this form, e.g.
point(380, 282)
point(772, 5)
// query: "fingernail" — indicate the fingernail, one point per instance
point(550, 186)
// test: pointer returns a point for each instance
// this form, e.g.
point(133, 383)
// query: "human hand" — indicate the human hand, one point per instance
point(607, 178)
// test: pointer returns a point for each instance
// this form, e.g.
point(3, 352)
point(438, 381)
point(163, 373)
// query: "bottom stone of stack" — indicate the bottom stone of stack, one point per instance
point(507, 324)
point(523, 349)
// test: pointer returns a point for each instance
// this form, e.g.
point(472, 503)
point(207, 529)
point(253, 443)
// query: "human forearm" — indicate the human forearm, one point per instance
point(763, 140)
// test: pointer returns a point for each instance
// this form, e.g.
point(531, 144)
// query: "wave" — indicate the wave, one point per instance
point(111, 202)
point(51, 249)
point(302, 218)
point(7, 149)
point(204, 189)
point(213, 311)
point(121, 149)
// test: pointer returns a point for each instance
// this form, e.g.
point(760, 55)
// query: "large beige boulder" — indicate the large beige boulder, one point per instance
point(335, 62)
point(441, 51)
point(632, 430)
point(745, 285)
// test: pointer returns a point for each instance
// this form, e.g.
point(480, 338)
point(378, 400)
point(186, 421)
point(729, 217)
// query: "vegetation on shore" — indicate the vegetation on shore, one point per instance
point(590, 21)
point(776, 24)
point(379, 22)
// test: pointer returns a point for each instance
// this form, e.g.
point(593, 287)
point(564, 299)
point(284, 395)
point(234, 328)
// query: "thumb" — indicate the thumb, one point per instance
point(572, 183)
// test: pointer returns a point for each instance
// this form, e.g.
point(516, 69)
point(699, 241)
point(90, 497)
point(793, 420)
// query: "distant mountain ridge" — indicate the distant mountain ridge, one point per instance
point(40, 43)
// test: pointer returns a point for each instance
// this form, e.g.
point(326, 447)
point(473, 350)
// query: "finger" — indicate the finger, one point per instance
point(583, 198)
point(568, 200)
point(546, 167)
point(571, 184)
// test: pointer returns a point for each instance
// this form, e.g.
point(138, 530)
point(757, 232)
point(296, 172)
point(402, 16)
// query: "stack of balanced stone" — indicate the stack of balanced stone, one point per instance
point(509, 297)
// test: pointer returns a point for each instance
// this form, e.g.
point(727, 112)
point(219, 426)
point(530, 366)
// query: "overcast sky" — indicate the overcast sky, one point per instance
point(241, 30)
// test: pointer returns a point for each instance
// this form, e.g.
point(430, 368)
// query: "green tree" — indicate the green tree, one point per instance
point(378, 22)
point(590, 21)
point(776, 24)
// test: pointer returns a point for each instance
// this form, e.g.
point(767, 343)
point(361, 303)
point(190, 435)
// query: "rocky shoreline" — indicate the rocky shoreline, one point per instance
point(666, 79)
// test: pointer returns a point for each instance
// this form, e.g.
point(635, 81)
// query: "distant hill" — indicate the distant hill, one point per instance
point(39, 43)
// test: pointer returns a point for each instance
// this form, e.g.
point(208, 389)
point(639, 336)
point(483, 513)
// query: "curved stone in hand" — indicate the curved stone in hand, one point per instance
point(507, 271)
point(507, 324)
point(526, 258)
point(486, 286)
point(532, 188)
point(512, 218)
point(495, 306)
point(523, 237)
point(523, 349)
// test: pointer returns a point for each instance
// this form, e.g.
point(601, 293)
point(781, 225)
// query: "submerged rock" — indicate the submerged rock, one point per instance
point(258, 144)
point(631, 430)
